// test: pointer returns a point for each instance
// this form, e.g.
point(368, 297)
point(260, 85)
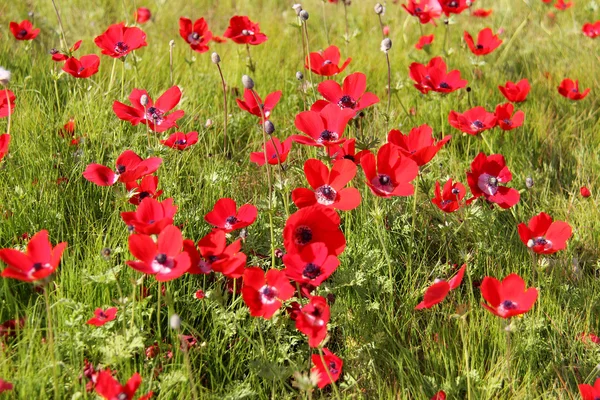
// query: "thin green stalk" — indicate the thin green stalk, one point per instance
point(251, 65)
point(325, 23)
point(224, 109)
point(112, 75)
point(60, 24)
point(462, 323)
point(158, 305)
point(51, 342)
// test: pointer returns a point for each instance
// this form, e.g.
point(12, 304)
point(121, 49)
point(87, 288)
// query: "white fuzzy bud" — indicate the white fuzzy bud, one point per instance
point(247, 82)
point(386, 45)
point(175, 322)
point(215, 58)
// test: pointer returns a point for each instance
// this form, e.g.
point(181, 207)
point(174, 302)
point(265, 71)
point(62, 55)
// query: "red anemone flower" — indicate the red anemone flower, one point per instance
point(146, 187)
point(23, 30)
point(328, 187)
point(227, 217)
point(101, 317)
point(197, 34)
point(152, 114)
point(312, 320)
point(584, 191)
point(543, 236)
point(589, 392)
point(264, 293)
point(486, 42)
point(311, 266)
point(324, 128)
point(164, 259)
point(130, 167)
point(441, 395)
point(561, 5)
point(59, 56)
point(142, 15)
point(437, 292)
point(119, 40)
point(38, 262)
point(515, 93)
point(151, 216)
point(346, 151)
point(109, 388)
point(180, 140)
point(473, 121)
point(314, 224)
point(485, 177)
point(419, 145)
point(450, 199)
point(7, 102)
point(277, 152)
point(424, 41)
point(243, 31)
point(215, 255)
point(5, 386)
point(591, 30)
point(326, 62)
point(4, 142)
point(84, 67)
point(351, 95)
point(328, 366)
point(505, 118)
point(454, 6)
point(249, 103)
point(391, 174)
point(481, 13)
point(434, 77)
point(509, 297)
point(425, 10)
point(569, 89)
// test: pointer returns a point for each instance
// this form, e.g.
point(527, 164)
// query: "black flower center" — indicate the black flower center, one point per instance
point(453, 4)
point(493, 181)
point(268, 294)
point(121, 168)
point(22, 33)
point(509, 305)
point(327, 136)
point(346, 102)
point(507, 122)
point(477, 124)
point(143, 195)
point(479, 46)
point(303, 235)
point(311, 271)
point(349, 157)
point(161, 258)
point(121, 48)
point(155, 115)
point(333, 369)
point(384, 179)
point(37, 266)
point(455, 191)
point(444, 85)
point(326, 195)
point(180, 141)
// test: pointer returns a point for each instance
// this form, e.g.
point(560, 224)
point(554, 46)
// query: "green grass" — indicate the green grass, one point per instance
point(389, 349)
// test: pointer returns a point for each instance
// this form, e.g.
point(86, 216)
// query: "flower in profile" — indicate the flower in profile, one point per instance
point(328, 187)
point(486, 176)
point(180, 140)
point(4, 142)
point(83, 67)
point(311, 225)
point(543, 236)
point(589, 392)
point(509, 297)
point(326, 62)
point(515, 92)
point(312, 320)
point(569, 89)
point(277, 152)
point(473, 121)
point(505, 118)
point(110, 389)
point(7, 102)
point(311, 266)
point(142, 15)
point(324, 128)
point(346, 151)
point(450, 198)
point(328, 366)
point(584, 191)
point(391, 173)
point(152, 114)
point(591, 30)
point(351, 95)
point(419, 145)
point(424, 41)
point(437, 292)
point(426, 10)
point(38, 262)
point(454, 6)
point(129, 167)
point(60, 56)
point(196, 34)
point(264, 293)
point(164, 259)
point(119, 40)
point(562, 6)
point(151, 216)
point(249, 103)
point(227, 217)
point(213, 254)
point(481, 13)
point(101, 316)
point(242, 30)
point(23, 30)
point(487, 42)
point(434, 77)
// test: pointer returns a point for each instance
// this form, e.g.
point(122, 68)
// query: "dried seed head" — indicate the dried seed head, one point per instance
point(247, 82)
point(303, 15)
point(175, 322)
point(4, 76)
point(215, 58)
point(106, 253)
point(299, 75)
point(529, 182)
point(171, 43)
point(297, 7)
point(144, 100)
point(379, 9)
point(269, 128)
point(386, 45)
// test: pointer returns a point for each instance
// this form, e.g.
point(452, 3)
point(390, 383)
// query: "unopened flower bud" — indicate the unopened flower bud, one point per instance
point(215, 58)
point(31, 14)
point(208, 123)
point(144, 100)
point(386, 45)
point(379, 9)
point(299, 75)
point(247, 82)
point(297, 7)
point(269, 128)
point(303, 15)
point(172, 43)
point(529, 182)
point(4, 76)
point(175, 322)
